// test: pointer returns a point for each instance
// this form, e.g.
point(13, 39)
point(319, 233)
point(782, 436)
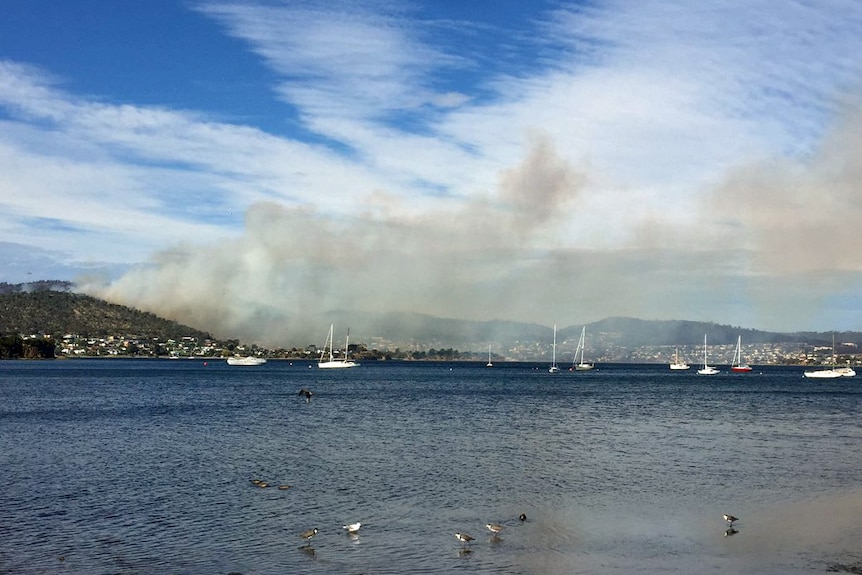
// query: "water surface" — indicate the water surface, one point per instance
point(145, 466)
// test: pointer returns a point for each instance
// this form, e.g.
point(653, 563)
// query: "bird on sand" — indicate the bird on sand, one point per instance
point(494, 528)
point(352, 528)
point(305, 393)
point(464, 538)
point(307, 535)
point(730, 518)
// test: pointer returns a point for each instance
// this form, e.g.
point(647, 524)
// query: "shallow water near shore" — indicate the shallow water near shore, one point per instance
point(145, 466)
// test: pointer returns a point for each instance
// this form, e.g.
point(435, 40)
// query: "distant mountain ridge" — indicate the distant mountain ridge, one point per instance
point(430, 331)
point(52, 307)
point(410, 328)
point(640, 332)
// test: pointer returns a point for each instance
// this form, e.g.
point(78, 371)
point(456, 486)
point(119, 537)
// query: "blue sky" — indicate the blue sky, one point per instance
point(559, 162)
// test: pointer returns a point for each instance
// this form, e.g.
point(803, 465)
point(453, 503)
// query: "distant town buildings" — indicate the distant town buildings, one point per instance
point(72, 345)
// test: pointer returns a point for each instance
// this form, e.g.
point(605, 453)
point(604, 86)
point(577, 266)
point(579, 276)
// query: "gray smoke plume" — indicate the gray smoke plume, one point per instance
point(292, 266)
point(770, 247)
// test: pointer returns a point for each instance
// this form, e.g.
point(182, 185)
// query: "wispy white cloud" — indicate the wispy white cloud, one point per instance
point(368, 53)
point(131, 170)
point(779, 67)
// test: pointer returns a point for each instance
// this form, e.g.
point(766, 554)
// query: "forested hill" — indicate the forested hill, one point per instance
point(51, 307)
point(49, 311)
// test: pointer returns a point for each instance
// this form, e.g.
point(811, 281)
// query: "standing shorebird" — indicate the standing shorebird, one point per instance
point(730, 519)
point(353, 528)
point(464, 538)
point(307, 535)
point(494, 528)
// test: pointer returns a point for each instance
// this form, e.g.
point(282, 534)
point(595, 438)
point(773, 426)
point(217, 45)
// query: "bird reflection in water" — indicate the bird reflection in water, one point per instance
point(308, 550)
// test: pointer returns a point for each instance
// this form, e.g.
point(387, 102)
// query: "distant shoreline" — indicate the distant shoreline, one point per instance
point(481, 363)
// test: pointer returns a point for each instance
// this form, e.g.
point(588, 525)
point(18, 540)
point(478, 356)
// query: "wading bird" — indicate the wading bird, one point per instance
point(307, 535)
point(464, 538)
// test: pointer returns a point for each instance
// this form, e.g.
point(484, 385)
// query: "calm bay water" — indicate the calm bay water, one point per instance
point(145, 467)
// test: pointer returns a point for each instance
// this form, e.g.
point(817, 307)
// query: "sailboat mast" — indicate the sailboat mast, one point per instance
point(347, 344)
point(583, 342)
point(554, 353)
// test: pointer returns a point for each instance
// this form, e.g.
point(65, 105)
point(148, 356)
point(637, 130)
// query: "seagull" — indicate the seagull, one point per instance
point(495, 528)
point(730, 518)
point(307, 393)
point(522, 516)
point(353, 528)
point(464, 538)
point(307, 535)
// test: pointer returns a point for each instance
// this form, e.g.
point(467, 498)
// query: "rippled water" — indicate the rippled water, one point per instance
point(139, 467)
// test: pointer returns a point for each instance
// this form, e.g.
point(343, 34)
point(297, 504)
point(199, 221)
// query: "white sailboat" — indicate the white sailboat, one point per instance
point(247, 360)
point(581, 365)
point(706, 369)
point(489, 364)
point(832, 372)
point(554, 368)
point(333, 363)
point(676, 364)
point(736, 364)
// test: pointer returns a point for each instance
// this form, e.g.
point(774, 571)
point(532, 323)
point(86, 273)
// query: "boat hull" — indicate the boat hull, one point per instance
point(336, 364)
point(823, 374)
point(246, 361)
point(741, 368)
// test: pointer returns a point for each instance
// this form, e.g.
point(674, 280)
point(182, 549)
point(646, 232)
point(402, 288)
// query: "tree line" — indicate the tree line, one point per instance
point(14, 347)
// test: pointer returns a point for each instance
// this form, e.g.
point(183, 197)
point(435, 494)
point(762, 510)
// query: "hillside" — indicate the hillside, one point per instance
point(400, 328)
point(638, 332)
point(406, 329)
point(51, 310)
